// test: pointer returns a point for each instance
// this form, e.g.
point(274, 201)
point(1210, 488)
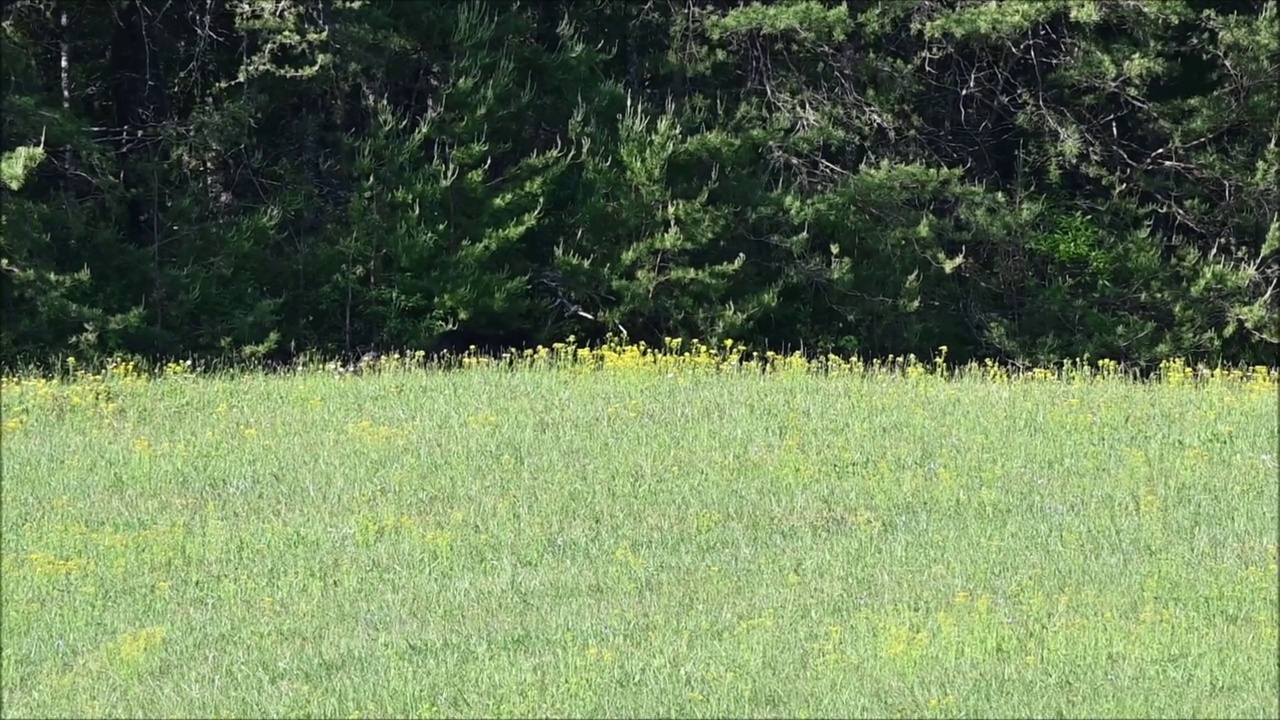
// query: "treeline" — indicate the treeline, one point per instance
point(1026, 180)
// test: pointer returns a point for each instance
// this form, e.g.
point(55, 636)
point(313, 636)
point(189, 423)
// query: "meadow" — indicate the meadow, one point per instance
point(624, 532)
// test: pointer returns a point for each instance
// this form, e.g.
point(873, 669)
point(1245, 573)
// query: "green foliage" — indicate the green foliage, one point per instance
point(17, 165)
point(1014, 179)
point(809, 20)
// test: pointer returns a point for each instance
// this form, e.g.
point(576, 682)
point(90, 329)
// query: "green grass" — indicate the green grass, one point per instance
point(543, 543)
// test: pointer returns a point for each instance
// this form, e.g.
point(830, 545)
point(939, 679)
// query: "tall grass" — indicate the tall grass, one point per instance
point(654, 538)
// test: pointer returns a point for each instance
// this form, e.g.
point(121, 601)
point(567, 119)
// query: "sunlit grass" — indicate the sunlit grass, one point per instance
point(624, 532)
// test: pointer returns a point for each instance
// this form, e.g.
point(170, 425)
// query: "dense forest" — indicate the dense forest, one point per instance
point(1025, 180)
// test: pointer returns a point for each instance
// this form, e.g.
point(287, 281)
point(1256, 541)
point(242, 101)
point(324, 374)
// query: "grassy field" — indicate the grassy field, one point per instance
point(649, 539)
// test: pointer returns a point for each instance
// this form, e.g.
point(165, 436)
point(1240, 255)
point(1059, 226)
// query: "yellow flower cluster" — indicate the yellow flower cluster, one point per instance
point(369, 432)
point(674, 357)
point(137, 643)
point(434, 535)
point(677, 357)
point(43, 564)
